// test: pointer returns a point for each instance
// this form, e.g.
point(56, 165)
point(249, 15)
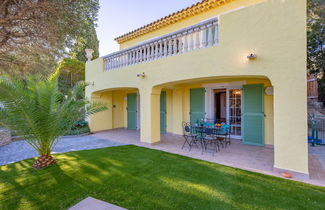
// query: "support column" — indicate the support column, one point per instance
point(290, 127)
point(177, 107)
point(150, 115)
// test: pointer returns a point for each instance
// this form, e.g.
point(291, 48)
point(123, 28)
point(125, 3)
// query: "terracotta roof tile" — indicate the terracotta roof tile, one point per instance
point(195, 9)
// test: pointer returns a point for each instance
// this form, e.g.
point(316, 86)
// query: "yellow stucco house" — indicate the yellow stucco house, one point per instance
point(243, 61)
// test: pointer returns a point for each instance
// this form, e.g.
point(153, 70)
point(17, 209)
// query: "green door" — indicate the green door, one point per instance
point(163, 116)
point(253, 114)
point(197, 109)
point(132, 111)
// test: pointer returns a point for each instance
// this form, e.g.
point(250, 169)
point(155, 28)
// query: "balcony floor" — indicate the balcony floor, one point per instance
point(238, 155)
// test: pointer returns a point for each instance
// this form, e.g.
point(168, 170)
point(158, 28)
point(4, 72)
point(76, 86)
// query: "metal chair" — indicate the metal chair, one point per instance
point(209, 138)
point(189, 135)
point(223, 135)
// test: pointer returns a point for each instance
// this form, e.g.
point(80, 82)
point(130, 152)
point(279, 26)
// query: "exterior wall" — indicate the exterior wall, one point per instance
point(103, 120)
point(118, 109)
point(191, 21)
point(276, 31)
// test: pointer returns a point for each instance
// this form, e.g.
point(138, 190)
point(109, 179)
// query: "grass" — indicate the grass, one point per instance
point(140, 178)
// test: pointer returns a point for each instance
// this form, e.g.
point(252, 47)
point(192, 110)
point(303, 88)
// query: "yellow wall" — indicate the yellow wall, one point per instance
point(276, 31)
point(118, 109)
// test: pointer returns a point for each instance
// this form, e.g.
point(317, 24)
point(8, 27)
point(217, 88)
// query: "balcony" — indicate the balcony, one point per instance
point(201, 35)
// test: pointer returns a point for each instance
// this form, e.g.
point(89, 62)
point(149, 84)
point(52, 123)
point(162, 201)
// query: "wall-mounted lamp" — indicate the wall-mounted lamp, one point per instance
point(252, 56)
point(141, 75)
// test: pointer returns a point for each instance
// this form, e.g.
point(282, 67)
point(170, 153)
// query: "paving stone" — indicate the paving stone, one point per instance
point(93, 204)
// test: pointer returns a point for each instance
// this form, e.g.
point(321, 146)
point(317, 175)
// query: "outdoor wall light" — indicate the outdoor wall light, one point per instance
point(142, 75)
point(251, 56)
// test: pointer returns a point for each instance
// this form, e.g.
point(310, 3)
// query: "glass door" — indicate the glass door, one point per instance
point(234, 112)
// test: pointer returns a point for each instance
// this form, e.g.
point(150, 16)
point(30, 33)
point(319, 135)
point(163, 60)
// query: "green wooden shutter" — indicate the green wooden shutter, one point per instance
point(253, 114)
point(163, 117)
point(197, 109)
point(132, 111)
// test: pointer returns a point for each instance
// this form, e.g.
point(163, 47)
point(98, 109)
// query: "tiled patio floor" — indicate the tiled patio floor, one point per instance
point(238, 155)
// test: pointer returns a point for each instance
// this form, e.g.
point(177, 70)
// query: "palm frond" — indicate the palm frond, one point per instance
point(36, 110)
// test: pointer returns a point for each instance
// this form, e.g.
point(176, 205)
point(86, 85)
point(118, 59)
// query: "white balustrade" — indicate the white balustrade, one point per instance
point(202, 35)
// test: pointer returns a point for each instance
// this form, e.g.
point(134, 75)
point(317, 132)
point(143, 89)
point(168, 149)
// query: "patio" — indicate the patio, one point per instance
point(238, 155)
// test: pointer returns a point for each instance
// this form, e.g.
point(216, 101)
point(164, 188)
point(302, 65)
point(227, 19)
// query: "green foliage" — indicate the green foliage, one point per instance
point(48, 30)
point(70, 71)
point(316, 36)
point(39, 113)
point(141, 178)
point(78, 128)
point(87, 40)
point(316, 42)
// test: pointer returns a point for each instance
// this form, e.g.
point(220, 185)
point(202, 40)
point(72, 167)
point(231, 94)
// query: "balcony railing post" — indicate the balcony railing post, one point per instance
point(119, 61)
point(170, 41)
point(185, 41)
point(210, 35)
point(180, 43)
point(136, 55)
point(160, 49)
point(197, 38)
point(145, 53)
point(123, 60)
point(140, 54)
point(204, 36)
point(133, 56)
point(151, 51)
point(215, 38)
point(165, 47)
point(156, 51)
point(191, 39)
point(175, 45)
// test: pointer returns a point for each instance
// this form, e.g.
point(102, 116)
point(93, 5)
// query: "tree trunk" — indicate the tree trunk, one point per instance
point(43, 161)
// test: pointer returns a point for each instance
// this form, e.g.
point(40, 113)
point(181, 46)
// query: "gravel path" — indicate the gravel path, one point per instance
point(20, 150)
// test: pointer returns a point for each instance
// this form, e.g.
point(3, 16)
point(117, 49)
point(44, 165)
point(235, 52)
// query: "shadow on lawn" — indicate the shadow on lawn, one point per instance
point(140, 178)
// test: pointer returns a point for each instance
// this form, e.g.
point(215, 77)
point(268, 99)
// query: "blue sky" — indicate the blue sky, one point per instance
point(117, 17)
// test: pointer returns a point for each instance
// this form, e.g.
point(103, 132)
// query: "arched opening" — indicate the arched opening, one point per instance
point(123, 109)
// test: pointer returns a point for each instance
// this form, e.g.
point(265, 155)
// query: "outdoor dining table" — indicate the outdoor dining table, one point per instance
point(206, 135)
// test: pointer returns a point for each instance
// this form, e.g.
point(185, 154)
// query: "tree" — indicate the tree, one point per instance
point(35, 33)
point(70, 71)
point(316, 42)
point(36, 111)
point(316, 35)
point(87, 40)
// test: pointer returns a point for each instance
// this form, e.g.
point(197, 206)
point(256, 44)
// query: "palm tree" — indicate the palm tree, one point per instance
point(35, 110)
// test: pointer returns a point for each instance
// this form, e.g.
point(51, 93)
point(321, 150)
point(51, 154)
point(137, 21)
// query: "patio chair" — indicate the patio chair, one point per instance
point(189, 135)
point(223, 135)
point(209, 138)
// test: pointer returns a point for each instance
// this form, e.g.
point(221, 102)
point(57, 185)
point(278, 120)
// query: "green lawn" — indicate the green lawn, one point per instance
point(141, 178)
